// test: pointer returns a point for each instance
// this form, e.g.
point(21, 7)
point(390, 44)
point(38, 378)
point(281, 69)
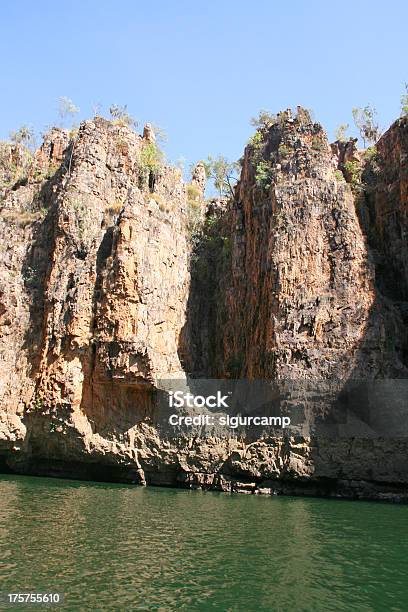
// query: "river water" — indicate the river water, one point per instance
point(117, 547)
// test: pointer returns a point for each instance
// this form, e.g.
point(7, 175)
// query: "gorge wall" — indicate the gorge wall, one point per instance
point(107, 287)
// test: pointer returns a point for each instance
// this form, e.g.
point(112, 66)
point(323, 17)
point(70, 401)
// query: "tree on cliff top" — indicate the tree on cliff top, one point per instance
point(341, 133)
point(404, 102)
point(264, 120)
point(23, 136)
point(223, 173)
point(366, 122)
point(66, 108)
point(120, 115)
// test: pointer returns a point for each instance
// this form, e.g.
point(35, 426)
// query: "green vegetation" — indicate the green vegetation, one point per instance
point(24, 136)
point(263, 174)
point(66, 108)
point(194, 206)
point(223, 173)
point(263, 168)
point(119, 114)
point(193, 193)
point(256, 140)
point(317, 144)
point(264, 120)
point(341, 132)
point(339, 176)
point(372, 168)
point(151, 158)
point(366, 122)
point(159, 133)
point(83, 214)
point(284, 150)
point(211, 248)
point(15, 165)
point(354, 169)
point(404, 102)
point(370, 153)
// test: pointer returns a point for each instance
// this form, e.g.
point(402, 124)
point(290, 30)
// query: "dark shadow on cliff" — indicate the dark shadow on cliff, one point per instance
point(37, 265)
point(374, 398)
point(199, 342)
point(366, 395)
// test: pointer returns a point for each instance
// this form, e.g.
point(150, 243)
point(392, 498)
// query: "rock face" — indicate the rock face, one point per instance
point(387, 196)
point(103, 295)
point(199, 178)
point(300, 262)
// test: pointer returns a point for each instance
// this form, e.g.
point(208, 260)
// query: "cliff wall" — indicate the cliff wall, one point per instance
point(104, 294)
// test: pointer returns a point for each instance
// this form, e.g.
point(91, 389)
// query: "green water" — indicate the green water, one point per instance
point(115, 547)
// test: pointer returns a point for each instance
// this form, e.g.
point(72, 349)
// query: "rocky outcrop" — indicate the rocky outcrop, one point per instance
point(299, 261)
point(344, 152)
point(199, 179)
point(386, 177)
point(104, 295)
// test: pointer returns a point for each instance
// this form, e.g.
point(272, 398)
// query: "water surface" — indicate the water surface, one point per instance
point(117, 547)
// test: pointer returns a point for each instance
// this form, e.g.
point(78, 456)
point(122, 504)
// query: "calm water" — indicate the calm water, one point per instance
point(114, 547)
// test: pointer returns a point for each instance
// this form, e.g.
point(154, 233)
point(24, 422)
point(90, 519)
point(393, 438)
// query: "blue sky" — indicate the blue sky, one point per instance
point(201, 69)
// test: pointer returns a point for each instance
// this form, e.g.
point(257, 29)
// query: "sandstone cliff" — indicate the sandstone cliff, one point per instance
point(104, 294)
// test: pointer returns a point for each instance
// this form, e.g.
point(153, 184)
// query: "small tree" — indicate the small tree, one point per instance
point(404, 102)
point(365, 120)
point(340, 133)
point(264, 119)
point(23, 136)
point(121, 115)
point(97, 109)
point(223, 173)
point(66, 108)
point(159, 133)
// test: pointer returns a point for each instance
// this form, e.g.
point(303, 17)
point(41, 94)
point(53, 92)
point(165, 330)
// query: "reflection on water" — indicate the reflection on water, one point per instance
point(114, 547)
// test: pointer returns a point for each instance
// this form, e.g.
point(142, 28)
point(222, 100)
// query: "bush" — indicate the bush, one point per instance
point(370, 153)
point(404, 102)
point(151, 157)
point(365, 120)
point(340, 133)
point(23, 136)
point(264, 120)
point(194, 205)
point(120, 115)
point(284, 150)
point(317, 144)
point(256, 140)
point(353, 169)
point(263, 174)
point(223, 173)
point(193, 194)
point(15, 165)
point(66, 108)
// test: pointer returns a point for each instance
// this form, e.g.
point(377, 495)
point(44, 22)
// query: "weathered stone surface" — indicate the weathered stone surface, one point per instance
point(148, 133)
point(387, 177)
point(345, 152)
point(100, 301)
point(199, 178)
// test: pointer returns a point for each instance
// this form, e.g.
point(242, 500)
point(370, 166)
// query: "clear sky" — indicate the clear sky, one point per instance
point(201, 68)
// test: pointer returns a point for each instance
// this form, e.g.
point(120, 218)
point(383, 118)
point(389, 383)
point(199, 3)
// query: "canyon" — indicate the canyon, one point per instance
point(116, 275)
